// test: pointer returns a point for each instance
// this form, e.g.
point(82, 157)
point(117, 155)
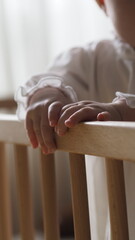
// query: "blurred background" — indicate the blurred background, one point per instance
point(33, 32)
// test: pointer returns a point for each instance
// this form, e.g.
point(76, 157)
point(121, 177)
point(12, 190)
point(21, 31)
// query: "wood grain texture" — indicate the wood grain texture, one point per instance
point(49, 198)
point(107, 139)
point(5, 208)
point(79, 197)
point(117, 199)
point(8, 103)
point(113, 140)
point(24, 193)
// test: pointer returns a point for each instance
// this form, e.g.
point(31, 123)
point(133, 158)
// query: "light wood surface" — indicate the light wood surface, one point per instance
point(113, 140)
point(8, 103)
point(49, 198)
point(24, 193)
point(79, 197)
point(5, 208)
point(117, 199)
point(106, 139)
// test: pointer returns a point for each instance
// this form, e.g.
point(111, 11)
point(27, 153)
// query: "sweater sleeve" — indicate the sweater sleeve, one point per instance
point(69, 72)
point(130, 98)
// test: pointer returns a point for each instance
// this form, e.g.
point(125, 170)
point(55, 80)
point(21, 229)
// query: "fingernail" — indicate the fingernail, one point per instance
point(60, 133)
point(100, 117)
point(67, 122)
point(52, 123)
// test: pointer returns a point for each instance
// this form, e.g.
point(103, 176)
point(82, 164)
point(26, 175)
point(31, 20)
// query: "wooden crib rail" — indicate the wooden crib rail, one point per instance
point(112, 140)
point(106, 139)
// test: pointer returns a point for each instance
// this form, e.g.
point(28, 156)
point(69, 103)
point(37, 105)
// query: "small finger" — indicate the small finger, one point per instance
point(38, 133)
point(84, 114)
point(30, 132)
point(54, 113)
point(104, 116)
point(48, 134)
point(61, 128)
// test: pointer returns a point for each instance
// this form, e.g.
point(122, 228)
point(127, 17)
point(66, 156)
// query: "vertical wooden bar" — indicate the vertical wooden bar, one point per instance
point(117, 199)
point(24, 193)
point(49, 197)
point(79, 197)
point(5, 208)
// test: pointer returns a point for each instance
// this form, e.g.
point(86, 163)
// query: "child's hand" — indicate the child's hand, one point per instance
point(74, 113)
point(42, 116)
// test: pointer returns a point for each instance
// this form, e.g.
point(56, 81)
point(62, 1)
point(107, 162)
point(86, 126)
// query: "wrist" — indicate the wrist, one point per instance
point(125, 112)
point(42, 94)
point(49, 94)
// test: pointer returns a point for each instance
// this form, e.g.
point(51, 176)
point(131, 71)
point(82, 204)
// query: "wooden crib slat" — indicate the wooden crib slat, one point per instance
point(5, 208)
point(49, 197)
point(79, 197)
point(117, 199)
point(24, 193)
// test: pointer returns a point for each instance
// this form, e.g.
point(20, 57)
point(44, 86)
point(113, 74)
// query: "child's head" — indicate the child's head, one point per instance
point(122, 14)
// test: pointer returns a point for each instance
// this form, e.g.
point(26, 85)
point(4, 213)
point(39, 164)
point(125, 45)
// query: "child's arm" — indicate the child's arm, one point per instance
point(77, 112)
point(64, 82)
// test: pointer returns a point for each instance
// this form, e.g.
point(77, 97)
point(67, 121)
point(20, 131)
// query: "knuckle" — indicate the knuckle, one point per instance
point(58, 103)
point(69, 110)
point(29, 113)
point(55, 106)
point(66, 106)
point(35, 107)
point(85, 110)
